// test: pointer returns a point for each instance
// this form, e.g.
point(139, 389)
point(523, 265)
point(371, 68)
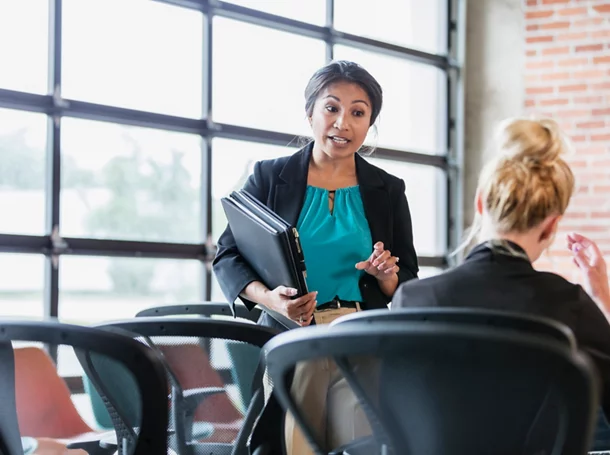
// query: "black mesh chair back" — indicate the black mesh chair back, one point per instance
point(10, 438)
point(481, 317)
point(216, 381)
point(440, 388)
point(139, 363)
point(204, 309)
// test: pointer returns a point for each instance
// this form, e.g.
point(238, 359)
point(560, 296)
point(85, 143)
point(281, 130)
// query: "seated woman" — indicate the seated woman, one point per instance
point(522, 194)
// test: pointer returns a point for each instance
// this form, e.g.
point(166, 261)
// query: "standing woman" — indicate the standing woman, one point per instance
point(353, 218)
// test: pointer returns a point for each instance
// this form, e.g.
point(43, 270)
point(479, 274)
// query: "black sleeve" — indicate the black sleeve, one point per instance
point(231, 269)
point(593, 337)
point(402, 232)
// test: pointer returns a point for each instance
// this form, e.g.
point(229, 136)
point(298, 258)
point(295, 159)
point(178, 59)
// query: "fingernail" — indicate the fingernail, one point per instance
point(293, 291)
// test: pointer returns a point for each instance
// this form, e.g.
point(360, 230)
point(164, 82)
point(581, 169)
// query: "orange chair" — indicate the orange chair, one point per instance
point(44, 405)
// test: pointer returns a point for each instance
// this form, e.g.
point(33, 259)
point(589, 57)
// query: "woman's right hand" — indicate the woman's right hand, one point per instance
point(299, 310)
point(589, 259)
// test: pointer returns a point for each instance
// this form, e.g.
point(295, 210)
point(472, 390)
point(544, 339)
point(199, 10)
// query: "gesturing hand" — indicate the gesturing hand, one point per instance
point(381, 264)
point(591, 263)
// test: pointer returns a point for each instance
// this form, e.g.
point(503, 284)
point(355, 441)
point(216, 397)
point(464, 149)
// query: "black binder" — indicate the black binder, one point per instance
point(269, 244)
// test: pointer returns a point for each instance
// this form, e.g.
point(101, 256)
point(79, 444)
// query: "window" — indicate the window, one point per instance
point(233, 162)
point(414, 101)
point(426, 190)
point(411, 23)
point(23, 137)
point(312, 11)
point(96, 289)
point(24, 32)
point(21, 285)
point(123, 182)
point(133, 53)
point(259, 81)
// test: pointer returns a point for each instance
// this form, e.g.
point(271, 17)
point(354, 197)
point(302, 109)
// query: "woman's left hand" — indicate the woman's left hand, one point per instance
point(381, 264)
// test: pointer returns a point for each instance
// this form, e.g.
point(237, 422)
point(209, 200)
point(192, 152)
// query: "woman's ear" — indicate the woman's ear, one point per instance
point(549, 227)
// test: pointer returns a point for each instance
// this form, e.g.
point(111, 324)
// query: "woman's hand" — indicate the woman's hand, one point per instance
point(589, 259)
point(381, 264)
point(299, 310)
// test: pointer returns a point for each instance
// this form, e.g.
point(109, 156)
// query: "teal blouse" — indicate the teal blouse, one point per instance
point(334, 242)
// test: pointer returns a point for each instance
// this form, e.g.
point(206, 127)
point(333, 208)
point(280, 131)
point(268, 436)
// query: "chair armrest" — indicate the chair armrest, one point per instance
point(99, 445)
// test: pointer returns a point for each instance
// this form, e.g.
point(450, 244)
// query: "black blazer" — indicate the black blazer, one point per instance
point(281, 184)
point(492, 280)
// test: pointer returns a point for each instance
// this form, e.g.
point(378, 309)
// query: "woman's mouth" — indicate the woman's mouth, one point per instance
point(339, 140)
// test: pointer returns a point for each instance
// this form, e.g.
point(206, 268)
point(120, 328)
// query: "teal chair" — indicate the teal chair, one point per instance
point(100, 413)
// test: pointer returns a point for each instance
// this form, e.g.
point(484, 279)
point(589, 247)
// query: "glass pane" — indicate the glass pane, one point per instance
point(50, 417)
point(95, 289)
point(312, 11)
point(132, 183)
point(409, 23)
point(259, 80)
point(426, 193)
point(24, 37)
point(23, 138)
point(412, 117)
point(21, 285)
point(151, 60)
point(232, 164)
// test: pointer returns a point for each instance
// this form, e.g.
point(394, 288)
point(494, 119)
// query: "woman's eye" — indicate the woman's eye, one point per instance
point(331, 108)
point(358, 113)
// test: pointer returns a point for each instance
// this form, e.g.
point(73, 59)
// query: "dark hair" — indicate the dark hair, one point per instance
point(343, 71)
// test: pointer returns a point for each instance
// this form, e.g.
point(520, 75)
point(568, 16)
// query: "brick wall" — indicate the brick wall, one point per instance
point(567, 77)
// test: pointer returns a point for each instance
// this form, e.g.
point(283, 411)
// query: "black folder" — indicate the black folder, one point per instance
point(268, 243)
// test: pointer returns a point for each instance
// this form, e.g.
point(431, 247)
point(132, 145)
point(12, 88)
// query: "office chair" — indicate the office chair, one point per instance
point(139, 361)
point(437, 387)
point(206, 309)
point(481, 317)
point(199, 394)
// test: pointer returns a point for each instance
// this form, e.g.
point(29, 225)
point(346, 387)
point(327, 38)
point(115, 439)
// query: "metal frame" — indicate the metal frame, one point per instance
point(52, 245)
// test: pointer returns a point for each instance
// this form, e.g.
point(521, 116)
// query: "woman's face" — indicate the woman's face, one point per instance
point(340, 119)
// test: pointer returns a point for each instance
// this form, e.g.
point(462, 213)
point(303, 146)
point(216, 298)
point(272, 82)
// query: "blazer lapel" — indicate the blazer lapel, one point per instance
point(290, 191)
point(376, 201)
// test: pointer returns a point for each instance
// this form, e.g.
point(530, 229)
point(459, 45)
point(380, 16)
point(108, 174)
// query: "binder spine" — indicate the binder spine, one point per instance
point(301, 259)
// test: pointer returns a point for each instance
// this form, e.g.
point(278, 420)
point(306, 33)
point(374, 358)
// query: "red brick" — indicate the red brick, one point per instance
point(540, 39)
point(573, 61)
point(601, 34)
point(592, 150)
point(555, 76)
point(554, 102)
point(539, 64)
point(605, 111)
point(579, 138)
point(601, 86)
point(598, 124)
point(538, 90)
point(530, 53)
point(589, 99)
point(556, 50)
point(552, 2)
point(600, 215)
point(599, 60)
point(573, 88)
point(589, 48)
point(572, 36)
point(605, 8)
point(539, 14)
point(571, 113)
point(532, 2)
point(532, 27)
point(590, 74)
point(600, 137)
point(530, 103)
point(555, 25)
point(588, 22)
point(573, 11)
